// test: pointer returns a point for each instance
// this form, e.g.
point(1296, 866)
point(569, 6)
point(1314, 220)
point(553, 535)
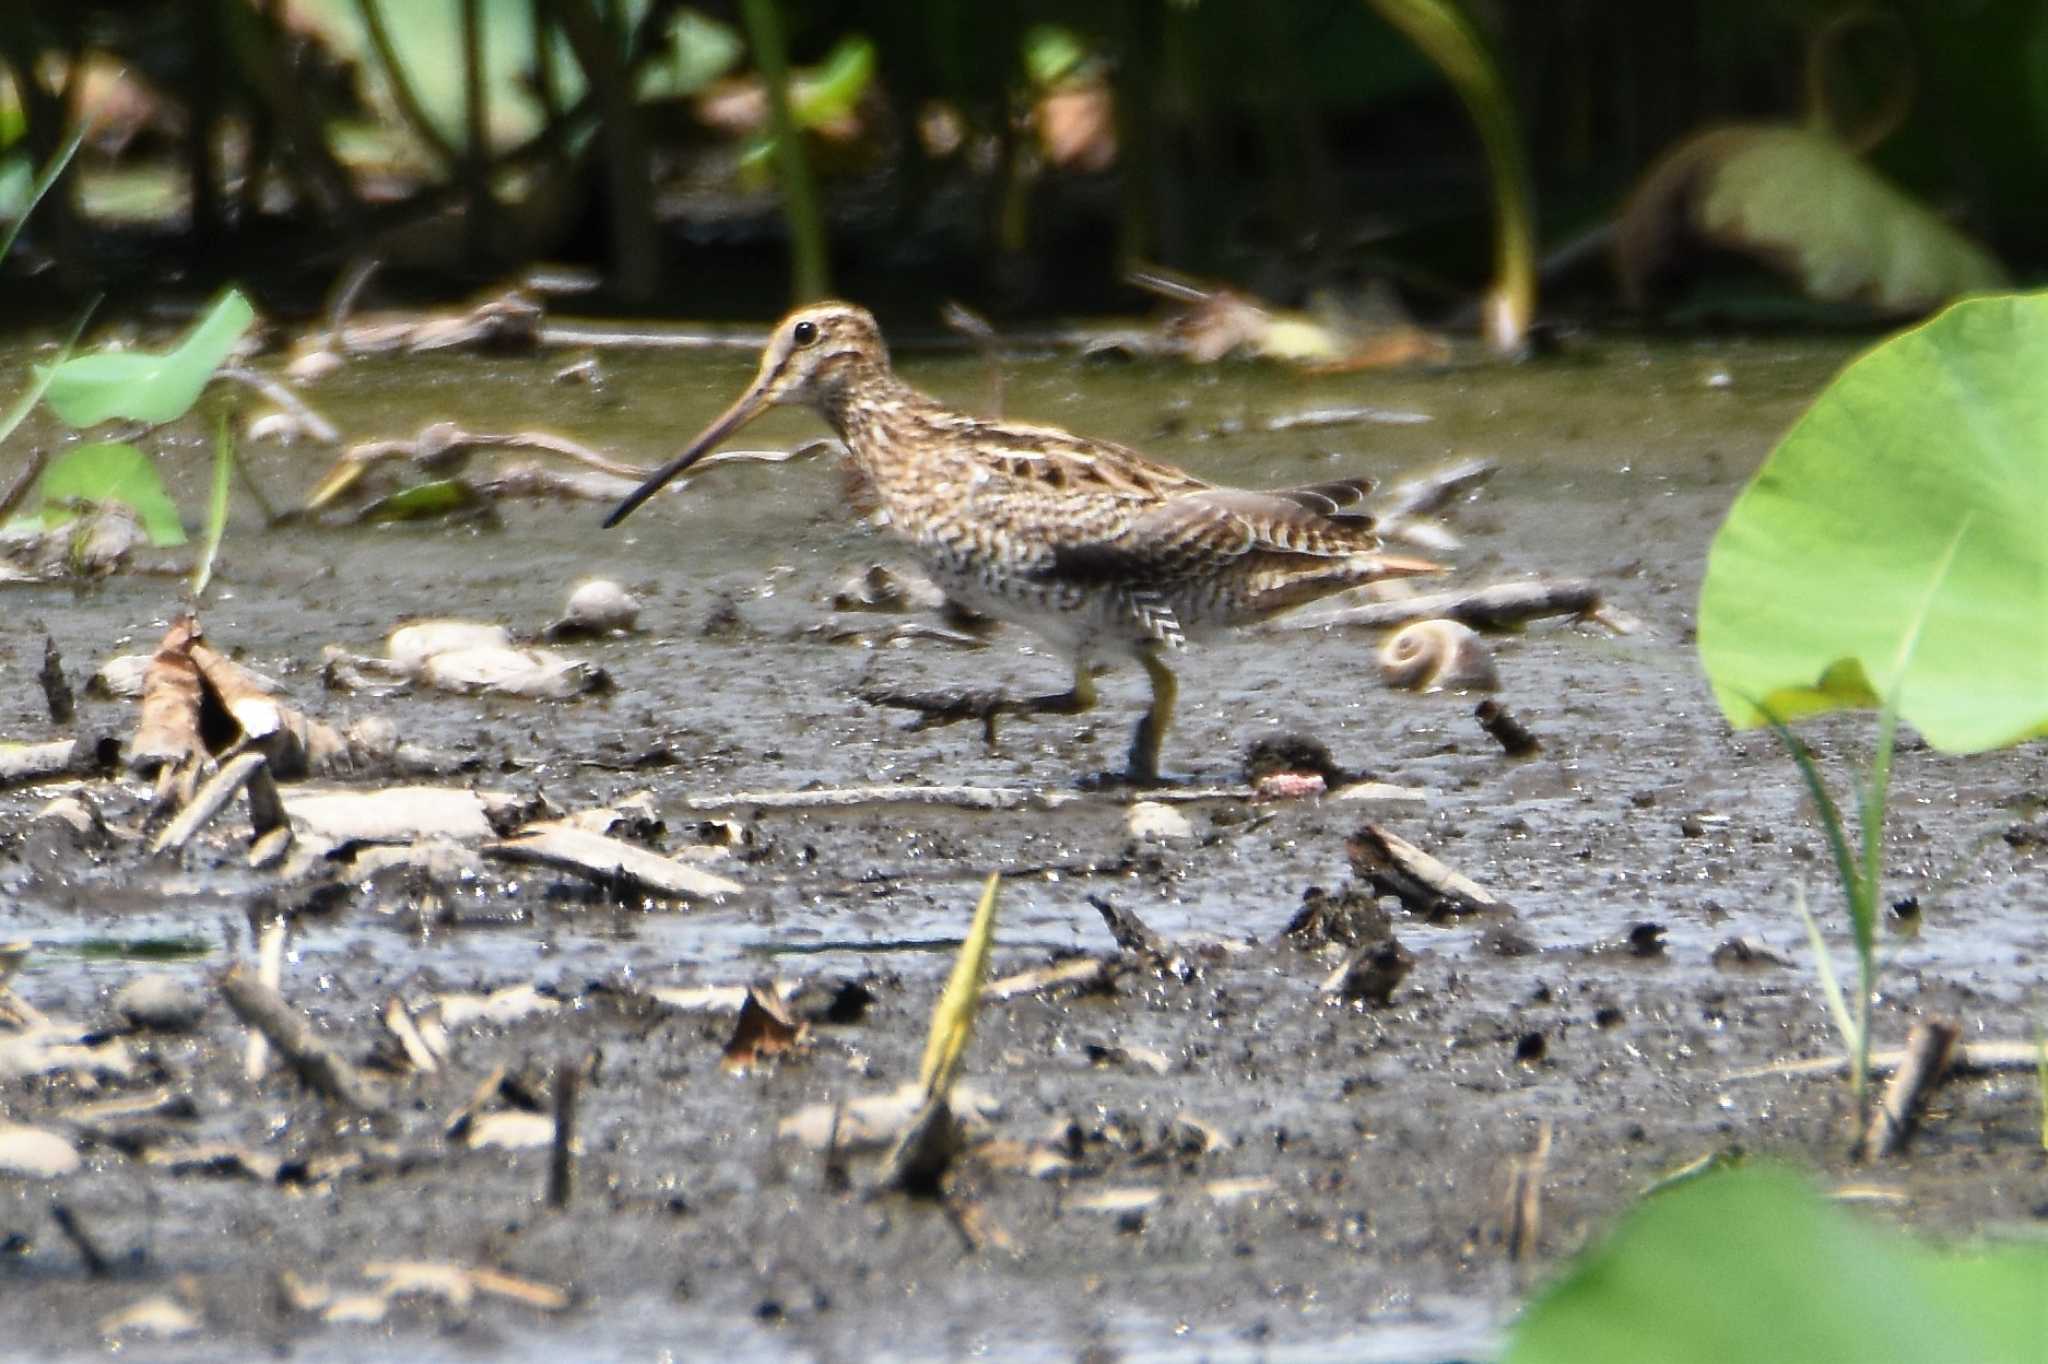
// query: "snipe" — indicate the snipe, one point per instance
point(1100, 551)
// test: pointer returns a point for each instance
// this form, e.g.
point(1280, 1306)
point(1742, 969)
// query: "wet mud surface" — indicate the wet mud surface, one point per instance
point(1205, 1159)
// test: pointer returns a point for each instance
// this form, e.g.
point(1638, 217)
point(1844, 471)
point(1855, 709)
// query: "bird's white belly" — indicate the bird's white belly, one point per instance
point(1080, 623)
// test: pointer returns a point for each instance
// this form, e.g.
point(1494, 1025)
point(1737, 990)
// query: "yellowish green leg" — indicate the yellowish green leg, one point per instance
point(1078, 700)
point(1151, 732)
point(1074, 702)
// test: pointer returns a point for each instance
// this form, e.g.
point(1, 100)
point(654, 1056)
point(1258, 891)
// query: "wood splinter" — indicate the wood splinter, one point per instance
point(562, 1155)
point(1394, 866)
point(1929, 1048)
point(312, 1056)
point(1513, 737)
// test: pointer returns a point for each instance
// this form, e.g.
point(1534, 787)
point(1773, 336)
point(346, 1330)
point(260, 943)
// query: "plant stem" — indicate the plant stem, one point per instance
point(799, 193)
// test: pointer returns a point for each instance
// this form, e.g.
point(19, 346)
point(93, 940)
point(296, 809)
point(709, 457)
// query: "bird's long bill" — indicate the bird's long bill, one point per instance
point(732, 419)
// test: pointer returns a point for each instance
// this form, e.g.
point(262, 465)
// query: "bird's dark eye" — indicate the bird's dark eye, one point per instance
point(804, 333)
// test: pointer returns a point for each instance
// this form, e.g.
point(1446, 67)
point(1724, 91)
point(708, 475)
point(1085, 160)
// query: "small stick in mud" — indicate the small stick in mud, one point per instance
point(1524, 1208)
point(312, 1056)
point(561, 1156)
point(1928, 1049)
point(96, 1262)
point(1970, 1058)
point(1131, 933)
point(1431, 490)
point(1394, 866)
point(1497, 607)
point(270, 971)
point(315, 425)
point(17, 491)
point(927, 1149)
point(982, 337)
point(28, 763)
point(56, 691)
point(1500, 722)
point(209, 800)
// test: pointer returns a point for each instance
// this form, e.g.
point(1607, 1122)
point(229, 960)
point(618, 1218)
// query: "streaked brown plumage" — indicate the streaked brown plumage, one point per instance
point(1102, 552)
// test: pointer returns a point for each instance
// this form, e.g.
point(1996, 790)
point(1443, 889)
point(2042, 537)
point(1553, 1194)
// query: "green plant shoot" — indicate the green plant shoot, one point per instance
point(1861, 872)
point(44, 179)
point(216, 505)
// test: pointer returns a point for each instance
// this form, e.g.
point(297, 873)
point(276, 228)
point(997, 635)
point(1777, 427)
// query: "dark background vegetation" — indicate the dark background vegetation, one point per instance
point(1286, 148)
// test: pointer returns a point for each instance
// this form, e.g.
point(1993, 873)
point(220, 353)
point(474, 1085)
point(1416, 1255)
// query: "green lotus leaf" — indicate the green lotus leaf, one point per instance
point(111, 471)
point(1936, 440)
point(147, 386)
point(1752, 1264)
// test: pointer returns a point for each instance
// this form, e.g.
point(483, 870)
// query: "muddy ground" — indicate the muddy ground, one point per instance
point(1330, 1176)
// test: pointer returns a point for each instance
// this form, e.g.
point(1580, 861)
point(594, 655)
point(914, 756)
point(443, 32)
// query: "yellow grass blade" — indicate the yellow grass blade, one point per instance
point(953, 1015)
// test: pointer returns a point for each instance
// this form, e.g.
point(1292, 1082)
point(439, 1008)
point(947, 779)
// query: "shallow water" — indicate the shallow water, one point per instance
point(1614, 463)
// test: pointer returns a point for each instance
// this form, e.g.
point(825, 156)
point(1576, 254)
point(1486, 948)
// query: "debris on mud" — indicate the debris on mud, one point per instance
point(1504, 729)
point(1394, 866)
point(1501, 606)
point(469, 658)
point(627, 872)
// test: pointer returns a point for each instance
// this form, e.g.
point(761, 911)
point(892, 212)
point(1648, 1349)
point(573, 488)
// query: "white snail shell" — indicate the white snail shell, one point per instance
point(1437, 655)
point(600, 605)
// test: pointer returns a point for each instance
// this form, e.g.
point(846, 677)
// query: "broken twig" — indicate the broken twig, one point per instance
point(1928, 1049)
point(1497, 607)
point(312, 1056)
point(1394, 866)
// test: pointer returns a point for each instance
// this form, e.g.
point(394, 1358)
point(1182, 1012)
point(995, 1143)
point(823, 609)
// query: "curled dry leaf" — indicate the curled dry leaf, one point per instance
point(159, 1315)
point(1802, 203)
point(763, 1030)
point(1394, 866)
point(410, 646)
point(198, 702)
point(472, 658)
point(538, 674)
point(610, 862)
point(397, 814)
point(510, 1004)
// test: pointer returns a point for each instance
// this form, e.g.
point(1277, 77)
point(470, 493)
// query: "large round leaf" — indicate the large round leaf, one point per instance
point(1752, 1265)
point(111, 471)
point(1938, 438)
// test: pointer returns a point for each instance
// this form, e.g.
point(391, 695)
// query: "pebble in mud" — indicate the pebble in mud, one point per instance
point(1152, 819)
point(160, 1002)
point(598, 607)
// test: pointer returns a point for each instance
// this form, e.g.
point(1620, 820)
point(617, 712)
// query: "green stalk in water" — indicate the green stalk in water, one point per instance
point(216, 506)
point(1447, 37)
point(46, 178)
point(799, 192)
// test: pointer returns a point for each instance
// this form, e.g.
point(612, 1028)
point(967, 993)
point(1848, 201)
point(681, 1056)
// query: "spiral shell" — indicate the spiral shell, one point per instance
point(1436, 655)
